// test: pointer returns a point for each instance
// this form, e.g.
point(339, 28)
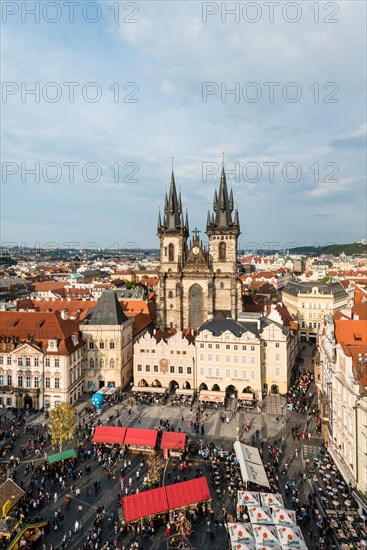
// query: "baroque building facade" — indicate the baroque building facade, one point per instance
point(195, 283)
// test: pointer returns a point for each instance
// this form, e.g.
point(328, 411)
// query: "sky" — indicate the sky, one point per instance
point(122, 87)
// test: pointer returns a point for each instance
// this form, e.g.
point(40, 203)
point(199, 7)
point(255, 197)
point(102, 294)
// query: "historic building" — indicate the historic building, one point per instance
point(309, 302)
point(195, 282)
point(109, 344)
point(41, 360)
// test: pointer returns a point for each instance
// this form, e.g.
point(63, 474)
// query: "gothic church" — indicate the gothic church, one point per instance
point(196, 283)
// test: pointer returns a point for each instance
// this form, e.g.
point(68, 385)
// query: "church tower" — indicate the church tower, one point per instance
point(223, 233)
point(173, 232)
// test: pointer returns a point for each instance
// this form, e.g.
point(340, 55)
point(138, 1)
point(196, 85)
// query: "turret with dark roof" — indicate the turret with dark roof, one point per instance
point(108, 311)
point(223, 208)
point(173, 221)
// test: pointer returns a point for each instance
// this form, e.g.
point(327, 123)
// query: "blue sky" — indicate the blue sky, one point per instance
point(168, 53)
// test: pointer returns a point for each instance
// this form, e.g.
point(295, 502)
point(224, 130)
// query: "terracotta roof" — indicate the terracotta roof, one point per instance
point(351, 332)
point(141, 322)
point(46, 286)
point(360, 310)
point(41, 327)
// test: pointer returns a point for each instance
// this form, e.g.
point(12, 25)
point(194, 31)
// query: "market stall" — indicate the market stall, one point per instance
point(156, 502)
point(183, 397)
point(140, 440)
point(251, 465)
point(246, 400)
point(150, 394)
point(57, 457)
point(173, 444)
point(109, 435)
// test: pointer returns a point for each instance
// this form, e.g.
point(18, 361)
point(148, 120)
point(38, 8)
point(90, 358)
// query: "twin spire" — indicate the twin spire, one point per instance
point(223, 206)
point(173, 220)
point(221, 218)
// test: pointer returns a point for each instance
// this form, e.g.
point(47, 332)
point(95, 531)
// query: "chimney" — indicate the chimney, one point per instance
point(64, 315)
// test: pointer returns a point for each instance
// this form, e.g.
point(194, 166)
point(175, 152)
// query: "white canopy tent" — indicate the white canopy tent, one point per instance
point(251, 465)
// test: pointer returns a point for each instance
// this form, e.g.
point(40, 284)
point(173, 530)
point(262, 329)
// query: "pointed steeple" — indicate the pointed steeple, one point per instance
point(173, 219)
point(187, 222)
point(236, 220)
point(223, 206)
point(159, 227)
point(179, 204)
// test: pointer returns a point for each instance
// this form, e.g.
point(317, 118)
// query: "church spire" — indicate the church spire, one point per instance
point(173, 219)
point(223, 206)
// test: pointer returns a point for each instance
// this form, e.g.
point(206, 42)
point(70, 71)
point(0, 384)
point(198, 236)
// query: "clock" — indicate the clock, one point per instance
point(196, 250)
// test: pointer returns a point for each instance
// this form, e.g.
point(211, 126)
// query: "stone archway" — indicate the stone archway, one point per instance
point(203, 386)
point(143, 383)
point(274, 389)
point(156, 384)
point(186, 386)
point(196, 306)
point(215, 387)
point(173, 385)
point(28, 402)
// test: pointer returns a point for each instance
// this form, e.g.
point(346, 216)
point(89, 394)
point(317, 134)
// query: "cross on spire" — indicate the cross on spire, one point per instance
point(196, 233)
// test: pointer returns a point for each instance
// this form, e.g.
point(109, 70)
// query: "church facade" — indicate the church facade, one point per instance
point(196, 282)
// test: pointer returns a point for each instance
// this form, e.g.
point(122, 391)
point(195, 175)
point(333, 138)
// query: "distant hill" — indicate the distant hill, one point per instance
point(333, 249)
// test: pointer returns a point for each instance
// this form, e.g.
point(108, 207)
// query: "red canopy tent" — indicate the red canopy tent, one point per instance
point(187, 492)
point(109, 434)
point(140, 436)
point(157, 501)
point(142, 505)
point(173, 440)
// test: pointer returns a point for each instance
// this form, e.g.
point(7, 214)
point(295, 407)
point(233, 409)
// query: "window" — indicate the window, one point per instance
point(1, 379)
point(277, 371)
point(172, 369)
point(315, 325)
point(36, 362)
point(8, 361)
point(235, 373)
point(27, 361)
point(57, 383)
point(217, 346)
point(112, 344)
point(235, 347)
point(264, 354)
point(235, 359)
point(9, 380)
point(91, 363)
point(180, 370)
point(201, 371)
point(243, 348)
point(189, 370)
point(210, 371)
point(228, 346)
point(91, 344)
point(228, 359)
point(217, 373)
point(201, 345)
point(252, 360)
point(265, 344)
point(277, 357)
point(210, 357)
point(47, 362)
point(155, 368)
point(303, 324)
point(217, 358)
point(101, 344)
point(20, 362)
point(201, 357)
point(228, 373)
point(252, 348)
point(37, 381)
point(101, 363)
point(140, 368)
point(112, 363)
point(57, 362)
point(244, 375)
point(252, 375)
point(210, 346)
point(277, 344)
point(222, 251)
point(244, 359)
point(27, 381)
point(20, 381)
point(222, 285)
point(184, 353)
point(171, 252)
point(147, 368)
point(48, 382)
point(1, 360)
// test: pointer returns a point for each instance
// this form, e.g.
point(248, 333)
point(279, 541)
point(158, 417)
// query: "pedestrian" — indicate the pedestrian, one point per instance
point(55, 498)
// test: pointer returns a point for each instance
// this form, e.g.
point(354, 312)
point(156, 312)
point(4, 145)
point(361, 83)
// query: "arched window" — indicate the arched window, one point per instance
point(171, 252)
point(91, 363)
point(101, 363)
point(170, 294)
point(222, 251)
point(112, 344)
point(196, 306)
point(221, 285)
point(101, 344)
point(112, 363)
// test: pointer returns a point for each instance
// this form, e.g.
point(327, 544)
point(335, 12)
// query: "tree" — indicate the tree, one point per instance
point(61, 424)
